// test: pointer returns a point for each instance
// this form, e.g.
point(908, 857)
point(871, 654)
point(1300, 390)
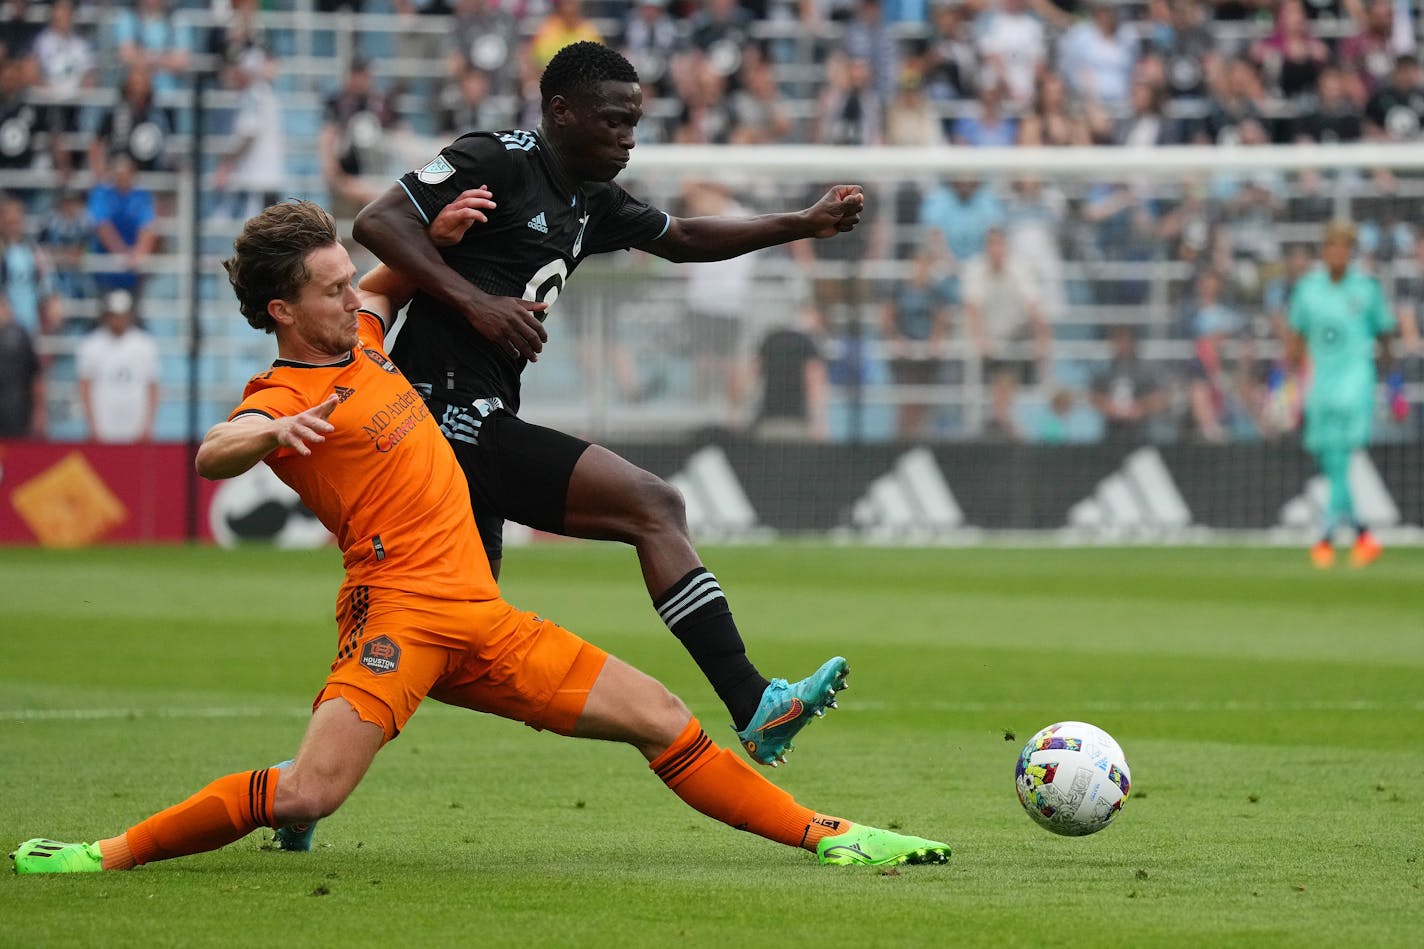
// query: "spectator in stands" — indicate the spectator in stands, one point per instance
point(911, 118)
point(1012, 51)
point(706, 117)
point(484, 36)
point(914, 325)
point(26, 143)
point(66, 68)
point(950, 62)
point(27, 275)
point(1189, 226)
point(1053, 120)
point(1096, 55)
point(759, 113)
point(118, 374)
point(124, 225)
point(1148, 125)
point(867, 37)
point(1396, 109)
point(794, 382)
point(651, 39)
point(136, 126)
point(1128, 392)
point(1122, 219)
point(1035, 215)
point(1005, 323)
point(67, 235)
point(239, 30)
point(18, 29)
point(958, 218)
point(1220, 404)
point(22, 379)
point(718, 294)
point(987, 125)
point(565, 24)
point(1330, 116)
point(421, 36)
point(1054, 426)
point(147, 37)
point(1238, 96)
point(467, 103)
point(848, 112)
point(1370, 53)
point(1182, 37)
point(720, 30)
point(1291, 57)
point(252, 173)
point(356, 120)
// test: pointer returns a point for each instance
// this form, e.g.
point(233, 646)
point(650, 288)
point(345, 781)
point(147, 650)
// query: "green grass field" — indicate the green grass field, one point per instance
point(1273, 719)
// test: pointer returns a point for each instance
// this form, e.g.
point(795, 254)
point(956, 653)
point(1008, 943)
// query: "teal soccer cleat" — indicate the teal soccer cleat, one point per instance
point(294, 837)
point(786, 708)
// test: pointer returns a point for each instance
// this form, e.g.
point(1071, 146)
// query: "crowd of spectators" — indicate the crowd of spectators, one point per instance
point(972, 73)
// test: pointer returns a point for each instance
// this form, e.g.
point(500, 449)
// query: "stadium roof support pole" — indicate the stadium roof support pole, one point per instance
point(191, 188)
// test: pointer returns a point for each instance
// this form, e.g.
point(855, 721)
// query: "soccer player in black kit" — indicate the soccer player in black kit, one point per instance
point(479, 320)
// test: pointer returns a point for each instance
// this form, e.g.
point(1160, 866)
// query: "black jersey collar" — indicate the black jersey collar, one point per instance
point(294, 364)
point(562, 181)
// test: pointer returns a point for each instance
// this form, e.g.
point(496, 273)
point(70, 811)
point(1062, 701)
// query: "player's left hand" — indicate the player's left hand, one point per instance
point(457, 217)
point(837, 211)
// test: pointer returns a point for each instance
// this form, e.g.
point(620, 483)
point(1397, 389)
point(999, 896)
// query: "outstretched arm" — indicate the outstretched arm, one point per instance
point(719, 238)
point(391, 228)
point(230, 448)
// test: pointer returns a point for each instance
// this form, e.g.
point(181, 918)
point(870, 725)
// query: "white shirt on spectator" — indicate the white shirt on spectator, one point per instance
point(1017, 40)
point(120, 371)
point(259, 117)
point(1003, 297)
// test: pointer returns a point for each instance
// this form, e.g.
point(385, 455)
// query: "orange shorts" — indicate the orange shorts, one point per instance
point(397, 648)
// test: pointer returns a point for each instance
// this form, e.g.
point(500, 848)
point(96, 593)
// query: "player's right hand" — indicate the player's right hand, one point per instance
point(457, 217)
point(511, 324)
point(295, 431)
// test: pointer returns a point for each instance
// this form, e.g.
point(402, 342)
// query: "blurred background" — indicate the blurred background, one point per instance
point(1063, 310)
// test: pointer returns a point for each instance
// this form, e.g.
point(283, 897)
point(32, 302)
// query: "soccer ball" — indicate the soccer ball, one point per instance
point(1072, 778)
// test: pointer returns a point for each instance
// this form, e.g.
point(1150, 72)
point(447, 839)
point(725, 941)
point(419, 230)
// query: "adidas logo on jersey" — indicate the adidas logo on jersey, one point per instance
point(539, 224)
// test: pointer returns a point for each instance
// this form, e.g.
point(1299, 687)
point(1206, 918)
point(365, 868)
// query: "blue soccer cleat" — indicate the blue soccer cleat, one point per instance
point(786, 708)
point(294, 837)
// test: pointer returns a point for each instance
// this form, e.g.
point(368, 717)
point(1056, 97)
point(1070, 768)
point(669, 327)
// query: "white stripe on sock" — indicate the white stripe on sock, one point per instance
point(713, 594)
point(691, 591)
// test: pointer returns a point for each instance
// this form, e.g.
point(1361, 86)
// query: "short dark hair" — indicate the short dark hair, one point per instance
point(578, 67)
point(270, 257)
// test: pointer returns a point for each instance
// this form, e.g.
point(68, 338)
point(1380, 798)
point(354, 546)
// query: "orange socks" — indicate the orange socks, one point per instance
point(229, 808)
point(719, 784)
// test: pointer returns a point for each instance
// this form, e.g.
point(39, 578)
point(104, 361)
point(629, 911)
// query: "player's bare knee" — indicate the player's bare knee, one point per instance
point(661, 508)
point(666, 717)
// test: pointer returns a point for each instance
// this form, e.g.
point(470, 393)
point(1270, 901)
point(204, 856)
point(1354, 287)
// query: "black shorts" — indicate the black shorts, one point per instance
point(517, 471)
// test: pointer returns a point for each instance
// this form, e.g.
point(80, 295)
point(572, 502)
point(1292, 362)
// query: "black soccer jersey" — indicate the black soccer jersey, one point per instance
point(544, 225)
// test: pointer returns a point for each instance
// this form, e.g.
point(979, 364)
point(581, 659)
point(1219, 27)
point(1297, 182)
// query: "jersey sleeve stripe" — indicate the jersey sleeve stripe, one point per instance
point(667, 223)
point(423, 215)
point(258, 412)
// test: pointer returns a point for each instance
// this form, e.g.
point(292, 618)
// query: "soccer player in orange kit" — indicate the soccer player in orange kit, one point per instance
point(419, 613)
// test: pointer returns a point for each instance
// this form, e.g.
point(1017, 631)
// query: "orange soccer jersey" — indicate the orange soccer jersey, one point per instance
point(385, 482)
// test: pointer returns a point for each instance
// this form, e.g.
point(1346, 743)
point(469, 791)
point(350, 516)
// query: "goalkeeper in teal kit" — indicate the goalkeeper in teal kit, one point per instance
point(1336, 314)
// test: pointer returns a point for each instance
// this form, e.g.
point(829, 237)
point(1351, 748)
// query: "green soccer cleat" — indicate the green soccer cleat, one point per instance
point(786, 708)
point(873, 847)
point(50, 856)
point(294, 837)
